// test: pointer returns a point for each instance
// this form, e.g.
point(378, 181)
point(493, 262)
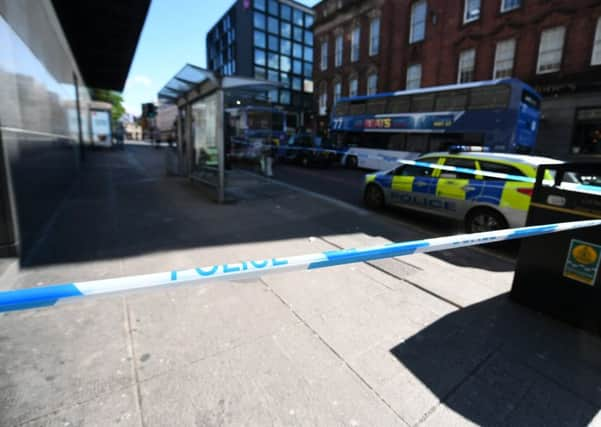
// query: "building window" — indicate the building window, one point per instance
point(273, 43)
point(308, 85)
point(297, 83)
point(260, 4)
point(273, 7)
point(286, 47)
point(467, 64)
point(596, 58)
point(323, 64)
point(338, 53)
point(286, 12)
point(297, 67)
point(273, 60)
point(372, 84)
point(297, 17)
point(307, 69)
point(297, 34)
point(507, 5)
point(285, 97)
point(504, 54)
point(337, 91)
point(323, 99)
point(285, 63)
point(374, 36)
point(471, 10)
point(309, 20)
point(259, 20)
point(353, 87)
point(355, 36)
point(308, 37)
point(286, 30)
point(308, 53)
point(260, 57)
point(297, 50)
point(418, 21)
point(414, 76)
point(550, 50)
point(273, 26)
point(259, 39)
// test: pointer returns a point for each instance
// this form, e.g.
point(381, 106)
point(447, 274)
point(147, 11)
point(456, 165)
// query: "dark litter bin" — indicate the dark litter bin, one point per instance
point(558, 274)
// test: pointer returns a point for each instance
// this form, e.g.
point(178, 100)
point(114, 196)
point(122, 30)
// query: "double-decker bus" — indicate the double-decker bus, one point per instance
point(249, 128)
point(498, 115)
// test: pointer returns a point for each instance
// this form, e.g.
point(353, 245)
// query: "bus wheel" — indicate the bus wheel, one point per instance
point(484, 219)
point(374, 197)
point(351, 162)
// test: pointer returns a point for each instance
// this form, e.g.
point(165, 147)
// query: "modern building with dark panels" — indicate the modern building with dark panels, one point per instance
point(267, 39)
point(554, 46)
point(51, 53)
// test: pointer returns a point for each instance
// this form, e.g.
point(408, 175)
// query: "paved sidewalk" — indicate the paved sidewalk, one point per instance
point(424, 339)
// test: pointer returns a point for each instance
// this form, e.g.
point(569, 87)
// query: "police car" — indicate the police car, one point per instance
point(482, 202)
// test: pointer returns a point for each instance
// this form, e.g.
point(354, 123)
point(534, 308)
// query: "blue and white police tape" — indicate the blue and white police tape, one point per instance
point(498, 175)
point(50, 295)
point(572, 186)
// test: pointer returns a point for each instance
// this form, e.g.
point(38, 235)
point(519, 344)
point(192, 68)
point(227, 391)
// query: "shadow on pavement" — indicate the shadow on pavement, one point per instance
point(124, 205)
point(497, 363)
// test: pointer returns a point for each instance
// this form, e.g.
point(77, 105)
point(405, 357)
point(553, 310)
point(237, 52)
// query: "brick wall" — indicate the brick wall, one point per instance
point(447, 35)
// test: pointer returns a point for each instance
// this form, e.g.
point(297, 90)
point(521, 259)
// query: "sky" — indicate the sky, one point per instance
point(173, 35)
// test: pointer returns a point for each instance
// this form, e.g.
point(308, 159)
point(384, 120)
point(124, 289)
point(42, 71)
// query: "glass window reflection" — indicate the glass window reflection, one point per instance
point(274, 43)
point(297, 50)
point(286, 30)
point(273, 60)
point(309, 38)
point(286, 12)
point(309, 19)
point(285, 63)
point(297, 17)
point(286, 47)
point(298, 34)
point(273, 7)
point(259, 39)
point(272, 25)
point(308, 53)
point(297, 67)
point(259, 20)
point(260, 57)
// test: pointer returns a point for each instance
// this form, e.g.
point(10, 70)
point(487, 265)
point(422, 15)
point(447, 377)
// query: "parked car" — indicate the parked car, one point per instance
point(308, 150)
point(483, 203)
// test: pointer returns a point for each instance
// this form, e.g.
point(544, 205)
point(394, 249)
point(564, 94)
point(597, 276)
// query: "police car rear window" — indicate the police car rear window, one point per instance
point(499, 168)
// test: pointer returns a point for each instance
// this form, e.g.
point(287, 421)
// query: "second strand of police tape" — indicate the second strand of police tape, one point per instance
point(393, 159)
point(50, 295)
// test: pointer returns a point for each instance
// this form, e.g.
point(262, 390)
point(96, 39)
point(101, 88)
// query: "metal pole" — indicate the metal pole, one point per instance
point(180, 142)
point(220, 147)
point(188, 150)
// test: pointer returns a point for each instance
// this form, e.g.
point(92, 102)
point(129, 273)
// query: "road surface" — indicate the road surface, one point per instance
point(346, 185)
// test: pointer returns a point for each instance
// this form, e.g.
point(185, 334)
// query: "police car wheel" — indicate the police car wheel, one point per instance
point(374, 197)
point(481, 220)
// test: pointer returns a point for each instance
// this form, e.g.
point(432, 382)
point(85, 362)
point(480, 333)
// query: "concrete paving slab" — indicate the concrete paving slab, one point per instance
point(51, 359)
point(287, 378)
point(175, 328)
point(114, 409)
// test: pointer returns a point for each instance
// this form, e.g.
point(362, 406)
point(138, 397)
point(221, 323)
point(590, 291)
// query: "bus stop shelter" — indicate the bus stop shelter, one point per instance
point(200, 97)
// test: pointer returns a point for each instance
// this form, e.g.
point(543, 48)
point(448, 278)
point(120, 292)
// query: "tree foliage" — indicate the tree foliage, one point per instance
point(113, 98)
